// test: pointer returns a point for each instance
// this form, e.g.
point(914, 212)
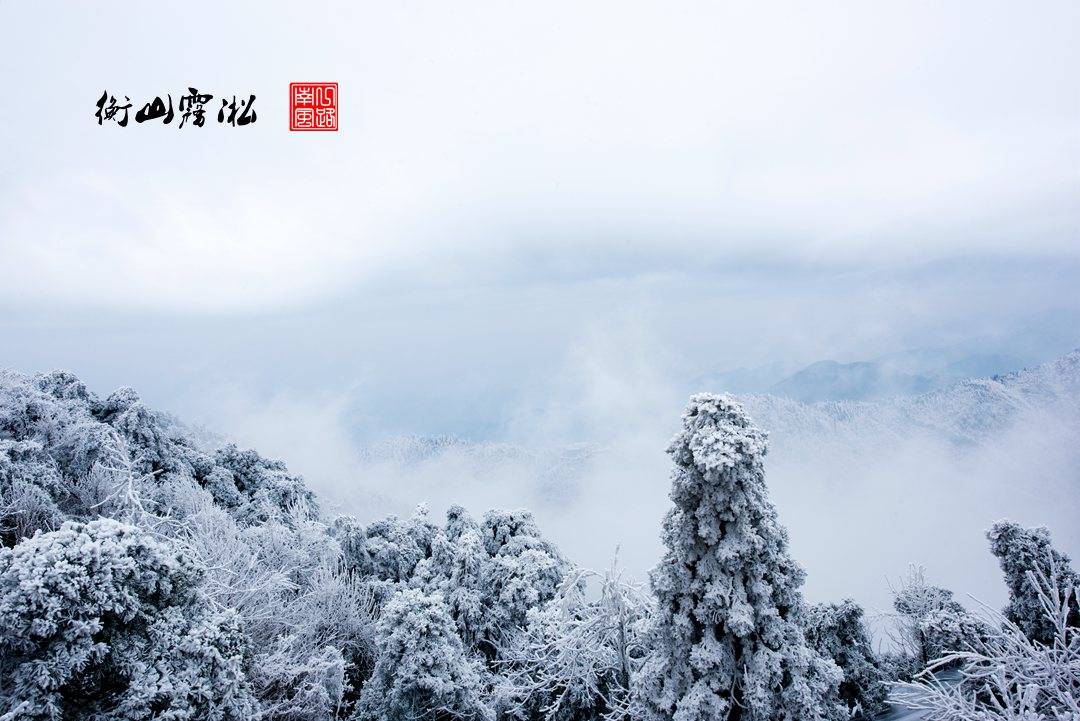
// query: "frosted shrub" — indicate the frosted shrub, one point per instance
point(929, 623)
point(326, 650)
point(99, 618)
point(386, 551)
point(188, 667)
point(265, 488)
point(30, 483)
point(727, 640)
point(488, 574)
point(951, 628)
point(302, 686)
point(580, 653)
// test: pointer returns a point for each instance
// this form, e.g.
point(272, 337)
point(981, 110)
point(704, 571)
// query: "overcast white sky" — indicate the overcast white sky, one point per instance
point(738, 183)
point(490, 141)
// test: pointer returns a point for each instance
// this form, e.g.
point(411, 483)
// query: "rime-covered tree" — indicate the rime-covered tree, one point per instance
point(265, 488)
point(727, 641)
point(315, 667)
point(386, 551)
point(306, 687)
point(456, 571)
point(524, 572)
point(489, 574)
point(100, 620)
point(1025, 554)
point(96, 454)
point(837, 631)
point(422, 671)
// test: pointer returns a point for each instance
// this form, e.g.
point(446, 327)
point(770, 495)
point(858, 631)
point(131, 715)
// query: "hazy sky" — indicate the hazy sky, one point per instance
point(492, 142)
point(538, 220)
point(747, 182)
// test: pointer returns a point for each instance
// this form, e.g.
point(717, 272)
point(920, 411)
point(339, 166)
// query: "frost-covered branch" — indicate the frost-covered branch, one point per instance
point(1007, 676)
point(579, 655)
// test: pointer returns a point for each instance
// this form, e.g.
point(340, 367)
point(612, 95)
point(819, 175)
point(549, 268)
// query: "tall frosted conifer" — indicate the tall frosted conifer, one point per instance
point(1027, 559)
point(726, 640)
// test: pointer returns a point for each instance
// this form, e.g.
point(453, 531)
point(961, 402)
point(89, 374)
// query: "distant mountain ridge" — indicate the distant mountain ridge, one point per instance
point(829, 380)
point(899, 374)
point(903, 373)
point(966, 411)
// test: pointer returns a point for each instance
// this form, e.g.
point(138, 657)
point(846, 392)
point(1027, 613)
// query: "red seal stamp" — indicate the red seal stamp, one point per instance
point(313, 106)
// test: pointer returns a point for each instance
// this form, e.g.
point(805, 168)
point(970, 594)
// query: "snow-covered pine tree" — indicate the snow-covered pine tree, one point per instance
point(455, 571)
point(837, 631)
point(490, 575)
point(387, 551)
point(422, 671)
point(1023, 552)
point(727, 641)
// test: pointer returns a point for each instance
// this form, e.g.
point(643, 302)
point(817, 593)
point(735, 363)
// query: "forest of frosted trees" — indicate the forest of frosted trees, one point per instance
point(148, 574)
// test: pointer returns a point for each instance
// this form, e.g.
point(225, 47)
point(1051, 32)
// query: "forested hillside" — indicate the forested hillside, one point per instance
point(148, 573)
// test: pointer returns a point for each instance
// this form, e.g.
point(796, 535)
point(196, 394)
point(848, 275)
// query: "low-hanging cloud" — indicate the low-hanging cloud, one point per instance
point(861, 503)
